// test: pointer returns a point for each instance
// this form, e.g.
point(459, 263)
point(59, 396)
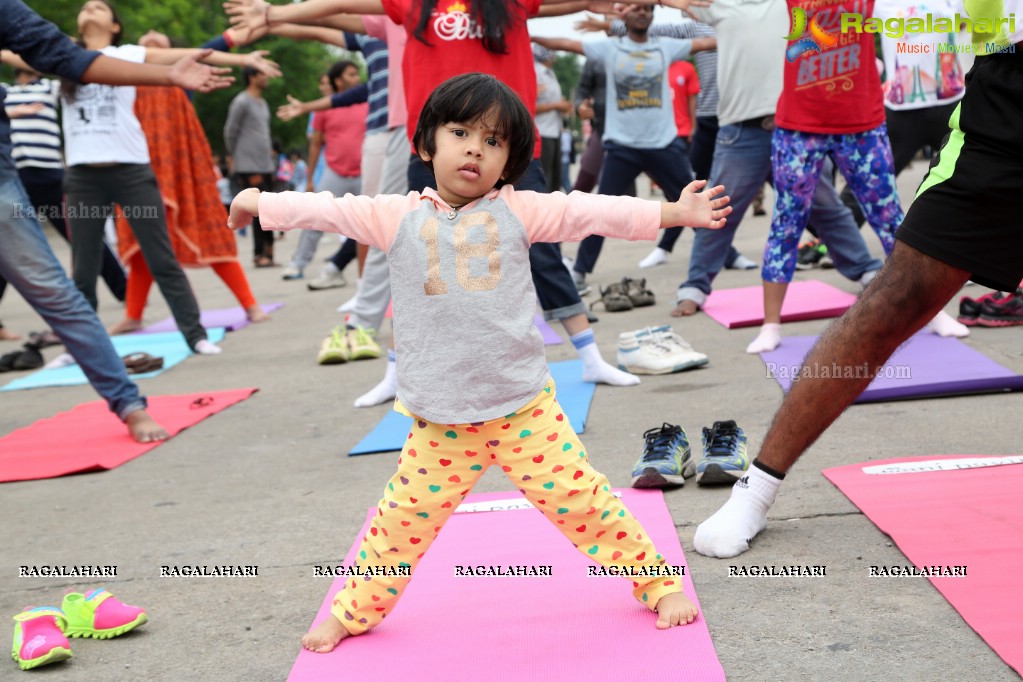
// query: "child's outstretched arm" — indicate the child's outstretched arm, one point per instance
point(244, 208)
point(695, 208)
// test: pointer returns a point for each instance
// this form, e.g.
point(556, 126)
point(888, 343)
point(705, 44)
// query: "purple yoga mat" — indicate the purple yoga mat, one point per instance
point(550, 337)
point(231, 319)
point(927, 366)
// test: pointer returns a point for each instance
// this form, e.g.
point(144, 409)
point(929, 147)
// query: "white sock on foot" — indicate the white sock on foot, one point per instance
point(596, 371)
point(386, 390)
point(207, 347)
point(728, 531)
point(768, 338)
point(944, 324)
point(656, 257)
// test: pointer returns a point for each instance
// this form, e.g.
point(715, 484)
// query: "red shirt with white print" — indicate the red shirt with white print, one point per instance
point(455, 47)
point(832, 85)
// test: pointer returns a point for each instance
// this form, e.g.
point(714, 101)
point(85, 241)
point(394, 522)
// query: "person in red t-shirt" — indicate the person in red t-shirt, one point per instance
point(685, 86)
point(831, 105)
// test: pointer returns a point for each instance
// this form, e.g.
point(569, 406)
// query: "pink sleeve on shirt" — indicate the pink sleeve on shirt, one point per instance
point(559, 217)
point(367, 220)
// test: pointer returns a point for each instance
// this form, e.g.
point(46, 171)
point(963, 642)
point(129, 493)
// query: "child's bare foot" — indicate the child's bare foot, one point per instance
point(324, 637)
point(675, 609)
point(144, 428)
point(8, 335)
point(256, 314)
point(685, 308)
point(125, 326)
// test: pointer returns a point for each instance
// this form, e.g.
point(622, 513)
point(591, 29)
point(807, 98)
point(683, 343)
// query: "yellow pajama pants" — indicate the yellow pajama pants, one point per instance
point(541, 454)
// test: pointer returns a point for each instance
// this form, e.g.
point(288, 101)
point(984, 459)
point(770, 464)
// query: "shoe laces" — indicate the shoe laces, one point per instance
point(337, 336)
point(659, 441)
point(723, 438)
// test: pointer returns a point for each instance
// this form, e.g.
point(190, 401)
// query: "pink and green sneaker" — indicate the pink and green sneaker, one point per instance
point(38, 639)
point(100, 615)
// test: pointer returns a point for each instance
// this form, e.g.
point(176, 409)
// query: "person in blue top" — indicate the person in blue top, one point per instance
point(639, 132)
point(26, 260)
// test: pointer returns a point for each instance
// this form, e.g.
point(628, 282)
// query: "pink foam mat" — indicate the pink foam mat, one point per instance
point(563, 627)
point(744, 307)
point(954, 510)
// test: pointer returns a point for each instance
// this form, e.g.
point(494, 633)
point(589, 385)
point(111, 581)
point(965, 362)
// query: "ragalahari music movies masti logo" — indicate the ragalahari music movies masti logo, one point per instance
point(807, 36)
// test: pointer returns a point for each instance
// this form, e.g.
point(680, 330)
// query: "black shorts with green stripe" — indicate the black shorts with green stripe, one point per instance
point(968, 211)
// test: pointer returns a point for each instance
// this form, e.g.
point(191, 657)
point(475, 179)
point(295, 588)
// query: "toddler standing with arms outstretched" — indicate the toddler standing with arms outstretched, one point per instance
point(472, 371)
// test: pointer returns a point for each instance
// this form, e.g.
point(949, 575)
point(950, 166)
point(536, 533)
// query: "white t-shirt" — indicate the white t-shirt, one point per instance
point(751, 58)
point(100, 124)
point(916, 74)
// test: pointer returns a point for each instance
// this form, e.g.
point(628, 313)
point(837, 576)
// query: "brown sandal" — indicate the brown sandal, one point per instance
point(615, 298)
point(141, 363)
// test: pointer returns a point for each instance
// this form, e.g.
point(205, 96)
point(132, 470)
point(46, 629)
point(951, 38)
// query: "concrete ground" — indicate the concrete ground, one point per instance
point(267, 482)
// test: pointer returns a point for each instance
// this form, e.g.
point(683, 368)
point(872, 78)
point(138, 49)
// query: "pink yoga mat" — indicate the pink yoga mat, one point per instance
point(564, 627)
point(231, 319)
point(744, 307)
point(91, 438)
point(962, 516)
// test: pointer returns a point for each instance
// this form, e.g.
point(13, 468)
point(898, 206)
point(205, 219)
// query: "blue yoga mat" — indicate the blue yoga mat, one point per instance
point(574, 395)
point(170, 346)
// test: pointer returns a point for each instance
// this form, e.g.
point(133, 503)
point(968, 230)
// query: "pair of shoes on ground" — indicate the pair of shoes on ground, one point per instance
point(348, 343)
point(41, 634)
point(667, 459)
point(659, 257)
point(330, 278)
point(995, 309)
point(813, 254)
point(656, 350)
point(625, 295)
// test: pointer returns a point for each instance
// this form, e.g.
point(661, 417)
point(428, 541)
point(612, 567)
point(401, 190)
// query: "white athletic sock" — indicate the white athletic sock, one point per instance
point(207, 347)
point(944, 324)
point(768, 338)
point(656, 257)
point(386, 390)
point(729, 530)
point(596, 371)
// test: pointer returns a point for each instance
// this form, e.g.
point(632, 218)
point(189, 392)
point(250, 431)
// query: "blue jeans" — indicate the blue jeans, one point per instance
point(668, 167)
point(28, 263)
point(742, 163)
point(558, 296)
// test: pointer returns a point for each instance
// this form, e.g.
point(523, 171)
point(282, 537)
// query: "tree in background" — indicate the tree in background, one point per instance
point(190, 23)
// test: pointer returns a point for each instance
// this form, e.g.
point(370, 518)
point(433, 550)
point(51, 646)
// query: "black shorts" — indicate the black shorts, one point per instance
point(968, 211)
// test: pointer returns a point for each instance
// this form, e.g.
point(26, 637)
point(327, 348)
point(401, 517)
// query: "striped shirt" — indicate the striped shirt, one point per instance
point(706, 61)
point(375, 53)
point(36, 138)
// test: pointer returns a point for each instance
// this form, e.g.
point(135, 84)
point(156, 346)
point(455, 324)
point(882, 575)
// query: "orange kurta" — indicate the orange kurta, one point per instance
point(183, 163)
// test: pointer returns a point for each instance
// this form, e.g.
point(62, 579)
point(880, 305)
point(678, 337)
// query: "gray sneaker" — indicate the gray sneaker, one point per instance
point(328, 279)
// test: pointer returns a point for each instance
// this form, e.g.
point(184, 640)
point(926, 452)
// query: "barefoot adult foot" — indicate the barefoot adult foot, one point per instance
point(675, 609)
point(6, 335)
point(144, 428)
point(256, 314)
point(685, 308)
point(324, 637)
point(125, 326)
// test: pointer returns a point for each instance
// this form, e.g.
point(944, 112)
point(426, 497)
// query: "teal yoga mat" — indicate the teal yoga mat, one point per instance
point(170, 346)
point(574, 394)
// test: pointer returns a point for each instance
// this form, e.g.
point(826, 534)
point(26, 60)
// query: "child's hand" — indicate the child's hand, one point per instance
point(697, 209)
point(243, 208)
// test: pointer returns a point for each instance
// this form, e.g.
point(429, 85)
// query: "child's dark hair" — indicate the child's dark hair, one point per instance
point(492, 17)
point(337, 69)
point(467, 99)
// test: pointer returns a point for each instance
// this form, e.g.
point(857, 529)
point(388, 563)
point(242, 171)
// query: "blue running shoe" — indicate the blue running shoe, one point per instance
point(666, 459)
point(724, 454)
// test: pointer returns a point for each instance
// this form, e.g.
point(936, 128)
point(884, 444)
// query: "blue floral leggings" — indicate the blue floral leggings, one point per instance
point(865, 159)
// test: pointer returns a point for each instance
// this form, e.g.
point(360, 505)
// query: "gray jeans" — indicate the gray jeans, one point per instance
point(91, 193)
